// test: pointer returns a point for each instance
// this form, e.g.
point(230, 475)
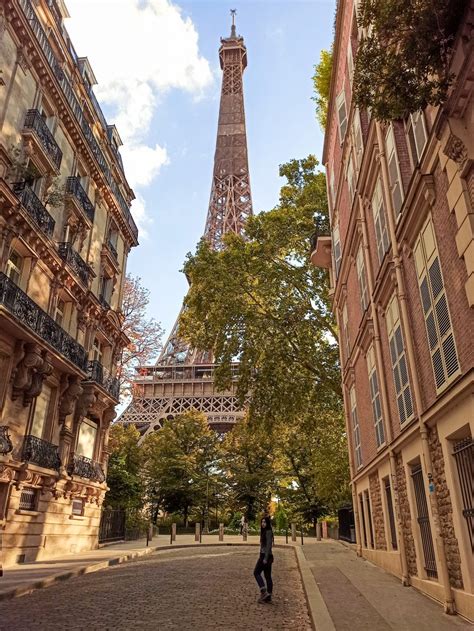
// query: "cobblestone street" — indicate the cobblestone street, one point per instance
point(206, 588)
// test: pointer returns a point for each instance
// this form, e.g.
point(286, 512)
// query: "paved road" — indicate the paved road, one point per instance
point(200, 589)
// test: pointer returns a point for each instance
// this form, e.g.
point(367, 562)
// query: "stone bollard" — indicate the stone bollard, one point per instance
point(197, 534)
point(221, 532)
point(325, 529)
point(244, 532)
point(318, 531)
point(173, 531)
point(293, 532)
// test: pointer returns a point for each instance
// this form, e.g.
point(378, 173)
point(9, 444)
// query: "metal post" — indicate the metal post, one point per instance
point(197, 533)
point(318, 531)
point(173, 531)
point(293, 532)
point(221, 532)
point(287, 534)
point(244, 532)
point(302, 542)
point(171, 536)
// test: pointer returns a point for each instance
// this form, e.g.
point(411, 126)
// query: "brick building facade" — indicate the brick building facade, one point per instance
point(401, 264)
point(65, 233)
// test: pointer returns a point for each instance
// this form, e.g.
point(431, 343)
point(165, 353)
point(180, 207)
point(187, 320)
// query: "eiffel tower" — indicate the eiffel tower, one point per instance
point(182, 378)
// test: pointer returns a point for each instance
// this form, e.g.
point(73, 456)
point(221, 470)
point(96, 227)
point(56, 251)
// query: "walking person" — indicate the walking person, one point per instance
point(265, 561)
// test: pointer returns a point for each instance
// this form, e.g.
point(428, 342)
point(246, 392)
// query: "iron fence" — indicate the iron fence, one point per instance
point(464, 456)
point(112, 525)
point(423, 519)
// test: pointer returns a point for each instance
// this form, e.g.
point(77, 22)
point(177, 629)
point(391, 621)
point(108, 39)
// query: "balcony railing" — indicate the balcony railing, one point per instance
point(86, 468)
point(41, 452)
point(34, 207)
point(74, 104)
point(101, 375)
point(74, 187)
point(28, 313)
point(113, 250)
point(80, 267)
point(36, 122)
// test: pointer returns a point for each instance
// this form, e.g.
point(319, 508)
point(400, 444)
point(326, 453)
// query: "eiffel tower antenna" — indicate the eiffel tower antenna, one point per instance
point(183, 378)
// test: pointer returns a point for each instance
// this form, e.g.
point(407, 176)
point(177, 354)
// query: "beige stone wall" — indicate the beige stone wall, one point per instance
point(377, 512)
point(405, 515)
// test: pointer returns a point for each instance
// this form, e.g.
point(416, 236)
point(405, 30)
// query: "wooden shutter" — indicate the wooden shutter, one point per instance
point(355, 428)
point(362, 278)
point(399, 363)
point(342, 115)
point(380, 221)
point(394, 172)
point(375, 397)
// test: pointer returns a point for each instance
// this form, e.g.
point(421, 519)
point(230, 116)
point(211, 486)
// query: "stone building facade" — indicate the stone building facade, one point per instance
point(65, 233)
point(401, 265)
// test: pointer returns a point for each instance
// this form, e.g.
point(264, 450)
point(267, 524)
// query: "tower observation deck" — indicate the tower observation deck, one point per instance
point(183, 377)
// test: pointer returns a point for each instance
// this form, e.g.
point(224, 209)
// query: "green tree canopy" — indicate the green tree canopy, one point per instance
point(402, 64)
point(322, 84)
point(126, 488)
point(178, 460)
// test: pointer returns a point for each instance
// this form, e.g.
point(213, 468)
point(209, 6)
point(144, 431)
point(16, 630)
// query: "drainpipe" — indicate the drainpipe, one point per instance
point(449, 605)
point(382, 377)
point(349, 450)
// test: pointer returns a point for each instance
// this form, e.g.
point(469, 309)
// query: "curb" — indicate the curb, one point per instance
point(23, 590)
point(318, 611)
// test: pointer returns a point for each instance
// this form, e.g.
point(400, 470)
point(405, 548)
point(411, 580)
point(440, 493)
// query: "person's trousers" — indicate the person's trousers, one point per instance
point(266, 568)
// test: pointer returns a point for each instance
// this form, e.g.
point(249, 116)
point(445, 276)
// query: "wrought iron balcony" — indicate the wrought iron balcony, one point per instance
point(41, 452)
point(80, 267)
point(34, 207)
point(101, 375)
point(113, 250)
point(5, 441)
point(36, 122)
point(74, 187)
point(74, 104)
point(86, 468)
point(28, 313)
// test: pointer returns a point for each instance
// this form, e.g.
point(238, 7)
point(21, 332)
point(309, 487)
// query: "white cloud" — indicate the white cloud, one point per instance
point(139, 50)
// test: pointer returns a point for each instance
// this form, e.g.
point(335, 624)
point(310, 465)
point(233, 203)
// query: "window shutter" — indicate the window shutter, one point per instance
point(345, 326)
point(337, 249)
point(394, 172)
point(342, 115)
point(358, 140)
point(350, 62)
point(435, 308)
point(355, 428)
point(375, 397)
point(399, 364)
point(416, 132)
point(350, 178)
point(362, 278)
point(380, 221)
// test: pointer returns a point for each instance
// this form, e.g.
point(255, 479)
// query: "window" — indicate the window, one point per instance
point(350, 62)
point(345, 332)
point(362, 278)
point(40, 413)
point(394, 172)
point(362, 516)
point(342, 115)
point(416, 132)
point(97, 350)
point(106, 287)
point(77, 508)
point(332, 189)
point(29, 499)
point(355, 428)
point(391, 516)
point(399, 362)
point(350, 178)
point(59, 312)
point(464, 455)
point(336, 241)
point(435, 308)
point(369, 518)
point(375, 397)
point(358, 140)
point(112, 238)
point(380, 221)
point(14, 267)
point(86, 439)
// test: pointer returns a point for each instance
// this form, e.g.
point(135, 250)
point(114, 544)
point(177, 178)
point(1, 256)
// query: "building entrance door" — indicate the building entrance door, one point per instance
point(423, 520)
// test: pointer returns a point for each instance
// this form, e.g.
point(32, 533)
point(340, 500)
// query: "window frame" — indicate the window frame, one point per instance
point(391, 152)
point(379, 214)
point(402, 387)
point(342, 122)
point(375, 398)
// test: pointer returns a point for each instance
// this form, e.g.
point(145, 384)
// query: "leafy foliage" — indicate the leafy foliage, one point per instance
point(402, 64)
point(322, 83)
point(144, 333)
point(126, 489)
point(178, 462)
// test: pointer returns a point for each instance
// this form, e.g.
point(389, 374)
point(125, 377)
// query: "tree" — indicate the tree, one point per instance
point(402, 64)
point(178, 461)
point(249, 467)
point(144, 333)
point(260, 300)
point(126, 488)
point(322, 84)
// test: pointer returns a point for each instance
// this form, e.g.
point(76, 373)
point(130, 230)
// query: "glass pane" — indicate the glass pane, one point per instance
point(41, 412)
point(86, 439)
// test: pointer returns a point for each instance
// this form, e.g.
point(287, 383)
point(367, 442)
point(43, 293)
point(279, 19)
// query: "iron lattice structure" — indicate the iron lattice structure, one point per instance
point(183, 378)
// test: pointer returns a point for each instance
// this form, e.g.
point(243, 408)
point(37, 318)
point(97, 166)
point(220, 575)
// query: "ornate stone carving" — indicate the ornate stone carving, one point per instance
point(85, 402)
point(456, 150)
point(31, 370)
point(7, 474)
point(70, 392)
point(6, 445)
point(22, 60)
point(29, 477)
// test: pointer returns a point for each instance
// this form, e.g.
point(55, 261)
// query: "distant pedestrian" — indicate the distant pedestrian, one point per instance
point(265, 561)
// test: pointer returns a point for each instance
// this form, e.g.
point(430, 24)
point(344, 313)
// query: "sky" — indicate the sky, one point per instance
point(157, 67)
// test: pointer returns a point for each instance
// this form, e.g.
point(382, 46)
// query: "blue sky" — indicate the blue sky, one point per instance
point(166, 111)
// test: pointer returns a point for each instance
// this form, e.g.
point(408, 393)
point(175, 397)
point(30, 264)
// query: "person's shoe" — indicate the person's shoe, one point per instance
point(263, 596)
point(268, 598)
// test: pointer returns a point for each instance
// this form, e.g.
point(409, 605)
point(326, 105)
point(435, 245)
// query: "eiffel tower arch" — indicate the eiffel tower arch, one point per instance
point(183, 378)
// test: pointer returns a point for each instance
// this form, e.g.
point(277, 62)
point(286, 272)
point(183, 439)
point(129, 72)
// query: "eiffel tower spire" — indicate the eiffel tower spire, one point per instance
point(182, 378)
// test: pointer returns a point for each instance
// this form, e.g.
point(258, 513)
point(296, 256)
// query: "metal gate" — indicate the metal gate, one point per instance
point(424, 521)
point(112, 525)
point(391, 516)
point(464, 456)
